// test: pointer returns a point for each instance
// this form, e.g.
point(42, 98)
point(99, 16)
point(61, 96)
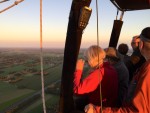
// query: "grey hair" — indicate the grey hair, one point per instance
point(95, 53)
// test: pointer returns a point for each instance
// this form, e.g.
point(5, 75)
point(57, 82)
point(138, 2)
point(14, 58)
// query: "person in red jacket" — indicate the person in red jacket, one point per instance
point(102, 72)
point(140, 85)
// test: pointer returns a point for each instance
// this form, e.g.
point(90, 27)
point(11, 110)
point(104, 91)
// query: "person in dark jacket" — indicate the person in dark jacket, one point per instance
point(136, 60)
point(123, 74)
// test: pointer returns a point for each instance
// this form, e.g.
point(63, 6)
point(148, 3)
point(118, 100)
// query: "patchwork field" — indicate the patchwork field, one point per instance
point(20, 77)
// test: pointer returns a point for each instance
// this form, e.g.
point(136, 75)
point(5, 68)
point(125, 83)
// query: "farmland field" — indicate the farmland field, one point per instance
point(20, 77)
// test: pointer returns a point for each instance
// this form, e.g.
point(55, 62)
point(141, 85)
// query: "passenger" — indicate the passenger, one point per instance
point(123, 50)
point(101, 72)
point(123, 73)
point(136, 59)
point(140, 101)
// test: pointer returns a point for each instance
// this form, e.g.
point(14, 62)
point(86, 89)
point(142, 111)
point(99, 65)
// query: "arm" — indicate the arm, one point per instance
point(89, 84)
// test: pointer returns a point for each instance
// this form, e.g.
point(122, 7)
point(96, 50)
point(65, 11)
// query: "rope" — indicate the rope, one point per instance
point(121, 16)
point(3, 1)
point(98, 56)
point(15, 3)
point(117, 14)
point(41, 57)
point(41, 47)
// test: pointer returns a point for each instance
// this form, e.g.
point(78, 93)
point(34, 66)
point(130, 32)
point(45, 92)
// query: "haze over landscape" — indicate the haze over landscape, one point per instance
point(20, 74)
point(20, 24)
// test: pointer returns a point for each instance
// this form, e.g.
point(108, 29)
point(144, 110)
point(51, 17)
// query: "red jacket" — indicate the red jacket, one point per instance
point(140, 103)
point(107, 75)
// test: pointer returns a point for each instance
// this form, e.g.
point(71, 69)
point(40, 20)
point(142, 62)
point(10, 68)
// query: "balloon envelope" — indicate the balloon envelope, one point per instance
point(132, 4)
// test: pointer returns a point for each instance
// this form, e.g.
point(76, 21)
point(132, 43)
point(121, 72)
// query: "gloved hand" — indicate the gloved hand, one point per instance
point(135, 59)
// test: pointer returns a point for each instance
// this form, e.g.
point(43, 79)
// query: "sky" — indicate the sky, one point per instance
point(20, 25)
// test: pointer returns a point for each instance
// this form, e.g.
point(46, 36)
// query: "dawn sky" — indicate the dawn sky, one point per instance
point(20, 25)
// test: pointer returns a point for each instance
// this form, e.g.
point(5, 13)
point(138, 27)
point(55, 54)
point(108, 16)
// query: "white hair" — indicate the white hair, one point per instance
point(95, 53)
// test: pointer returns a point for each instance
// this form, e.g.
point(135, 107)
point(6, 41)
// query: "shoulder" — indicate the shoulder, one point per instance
point(106, 64)
point(108, 68)
point(145, 69)
point(146, 65)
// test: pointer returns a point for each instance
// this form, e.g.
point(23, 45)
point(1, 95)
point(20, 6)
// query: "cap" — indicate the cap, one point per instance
point(145, 34)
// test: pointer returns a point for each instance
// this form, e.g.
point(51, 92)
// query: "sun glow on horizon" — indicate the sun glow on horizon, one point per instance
point(20, 25)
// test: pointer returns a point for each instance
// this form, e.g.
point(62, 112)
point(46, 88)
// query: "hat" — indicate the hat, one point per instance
point(145, 34)
point(112, 52)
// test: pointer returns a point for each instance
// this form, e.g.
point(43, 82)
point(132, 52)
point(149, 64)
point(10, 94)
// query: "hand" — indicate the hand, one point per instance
point(80, 64)
point(135, 59)
point(90, 108)
point(136, 56)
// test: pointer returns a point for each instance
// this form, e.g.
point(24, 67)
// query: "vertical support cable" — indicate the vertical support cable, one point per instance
point(117, 14)
point(98, 56)
point(41, 58)
point(121, 16)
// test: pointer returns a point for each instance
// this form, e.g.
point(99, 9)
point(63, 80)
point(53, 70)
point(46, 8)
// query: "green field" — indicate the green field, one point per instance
point(27, 82)
point(9, 92)
point(26, 65)
point(37, 107)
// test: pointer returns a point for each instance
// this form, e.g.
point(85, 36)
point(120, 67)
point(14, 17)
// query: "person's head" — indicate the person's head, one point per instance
point(144, 45)
point(135, 42)
point(111, 55)
point(94, 55)
point(123, 48)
